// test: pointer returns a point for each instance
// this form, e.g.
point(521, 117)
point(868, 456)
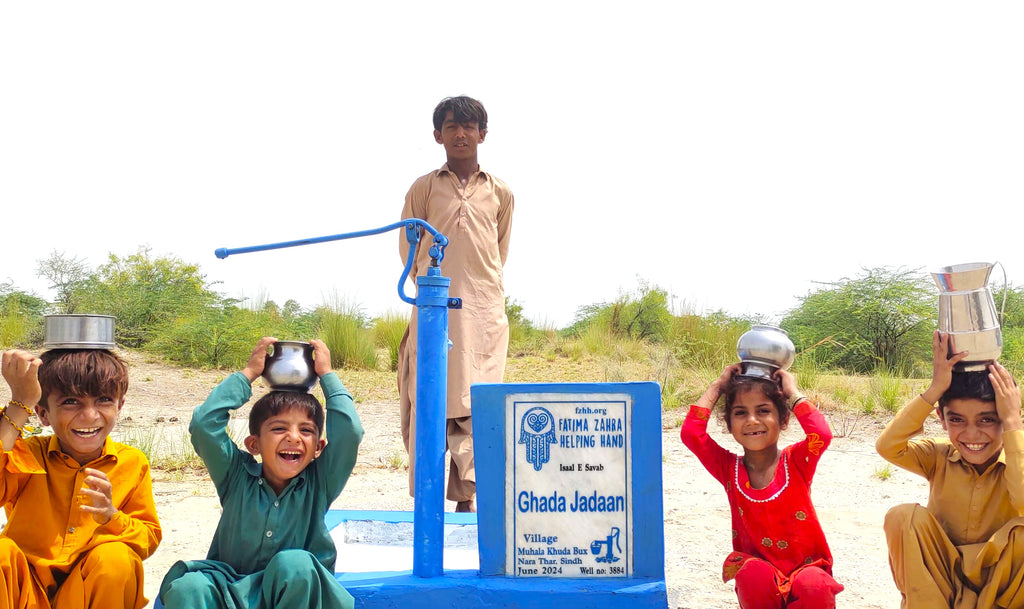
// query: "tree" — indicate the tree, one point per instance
point(641, 315)
point(66, 277)
point(882, 318)
point(145, 293)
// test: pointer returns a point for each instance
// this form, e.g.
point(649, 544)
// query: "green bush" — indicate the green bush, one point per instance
point(144, 294)
point(21, 318)
point(388, 332)
point(640, 315)
point(214, 338)
point(351, 343)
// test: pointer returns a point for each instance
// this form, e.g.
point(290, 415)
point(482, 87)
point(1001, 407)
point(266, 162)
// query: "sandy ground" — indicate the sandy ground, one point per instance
point(851, 493)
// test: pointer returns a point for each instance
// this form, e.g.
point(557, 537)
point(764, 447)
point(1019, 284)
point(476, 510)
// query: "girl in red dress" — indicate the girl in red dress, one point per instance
point(780, 557)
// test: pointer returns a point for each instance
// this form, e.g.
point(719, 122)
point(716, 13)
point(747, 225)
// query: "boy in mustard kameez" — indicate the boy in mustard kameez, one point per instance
point(966, 549)
point(81, 516)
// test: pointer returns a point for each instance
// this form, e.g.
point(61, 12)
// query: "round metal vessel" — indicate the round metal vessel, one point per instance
point(290, 366)
point(78, 332)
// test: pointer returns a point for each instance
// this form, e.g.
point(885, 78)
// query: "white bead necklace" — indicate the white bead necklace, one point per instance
point(785, 468)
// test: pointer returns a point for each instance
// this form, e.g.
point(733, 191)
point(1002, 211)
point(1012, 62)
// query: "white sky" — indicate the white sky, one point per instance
point(732, 153)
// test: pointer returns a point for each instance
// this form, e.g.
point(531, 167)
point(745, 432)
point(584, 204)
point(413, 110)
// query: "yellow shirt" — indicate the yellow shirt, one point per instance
point(39, 489)
point(969, 506)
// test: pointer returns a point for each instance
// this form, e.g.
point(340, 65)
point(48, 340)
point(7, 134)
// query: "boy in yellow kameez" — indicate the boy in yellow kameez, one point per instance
point(966, 549)
point(81, 516)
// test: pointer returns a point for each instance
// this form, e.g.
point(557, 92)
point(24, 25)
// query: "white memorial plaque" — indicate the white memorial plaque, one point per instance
point(569, 507)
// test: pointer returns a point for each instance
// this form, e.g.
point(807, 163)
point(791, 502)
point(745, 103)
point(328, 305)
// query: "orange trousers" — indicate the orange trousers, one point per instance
point(109, 575)
point(931, 572)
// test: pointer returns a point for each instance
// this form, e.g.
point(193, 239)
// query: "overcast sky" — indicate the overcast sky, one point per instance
point(733, 153)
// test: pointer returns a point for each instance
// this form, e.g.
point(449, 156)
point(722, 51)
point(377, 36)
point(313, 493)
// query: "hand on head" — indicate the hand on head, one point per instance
point(21, 371)
point(787, 381)
point(711, 395)
point(1007, 397)
point(321, 357)
point(258, 360)
point(942, 367)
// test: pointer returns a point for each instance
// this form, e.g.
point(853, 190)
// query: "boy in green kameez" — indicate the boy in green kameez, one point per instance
point(271, 547)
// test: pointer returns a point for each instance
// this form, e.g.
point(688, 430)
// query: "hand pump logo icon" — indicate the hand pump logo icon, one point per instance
point(537, 432)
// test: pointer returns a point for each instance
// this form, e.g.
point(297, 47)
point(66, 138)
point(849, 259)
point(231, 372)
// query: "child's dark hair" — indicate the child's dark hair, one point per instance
point(276, 402)
point(79, 372)
point(464, 110)
point(968, 385)
point(741, 384)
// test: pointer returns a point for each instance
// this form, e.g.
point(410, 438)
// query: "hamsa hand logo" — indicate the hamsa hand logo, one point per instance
point(537, 432)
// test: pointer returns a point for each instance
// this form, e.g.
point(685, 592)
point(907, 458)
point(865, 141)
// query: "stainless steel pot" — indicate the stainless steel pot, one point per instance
point(78, 332)
point(763, 350)
point(967, 312)
point(289, 367)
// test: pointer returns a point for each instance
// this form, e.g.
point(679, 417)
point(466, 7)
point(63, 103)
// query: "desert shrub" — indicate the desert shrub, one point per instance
point(145, 293)
point(881, 319)
point(21, 318)
point(706, 341)
point(217, 337)
point(343, 327)
point(388, 331)
point(640, 315)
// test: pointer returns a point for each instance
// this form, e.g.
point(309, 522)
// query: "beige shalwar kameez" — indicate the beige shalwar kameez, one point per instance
point(966, 548)
point(477, 219)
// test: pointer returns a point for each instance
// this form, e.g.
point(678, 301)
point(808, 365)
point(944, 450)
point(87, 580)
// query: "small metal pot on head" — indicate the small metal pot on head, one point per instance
point(83, 331)
point(289, 367)
point(763, 350)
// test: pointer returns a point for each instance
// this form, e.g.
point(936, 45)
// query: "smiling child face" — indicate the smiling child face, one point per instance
point(459, 139)
point(287, 442)
point(81, 423)
point(974, 429)
point(754, 420)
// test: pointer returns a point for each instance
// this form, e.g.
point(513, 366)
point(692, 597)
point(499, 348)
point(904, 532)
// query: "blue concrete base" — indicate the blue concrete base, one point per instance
point(402, 590)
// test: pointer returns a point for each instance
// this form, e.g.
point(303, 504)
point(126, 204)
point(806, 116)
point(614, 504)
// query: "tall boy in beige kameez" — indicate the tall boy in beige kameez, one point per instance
point(966, 549)
point(474, 210)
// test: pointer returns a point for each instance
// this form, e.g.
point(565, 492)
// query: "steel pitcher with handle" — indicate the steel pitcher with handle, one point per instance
point(967, 312)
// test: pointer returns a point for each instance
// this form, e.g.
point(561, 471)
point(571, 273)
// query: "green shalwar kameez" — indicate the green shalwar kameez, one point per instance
point(268, 550)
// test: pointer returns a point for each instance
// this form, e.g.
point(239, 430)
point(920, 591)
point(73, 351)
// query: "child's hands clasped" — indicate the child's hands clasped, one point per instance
point(711, 395)
point(98, 489)
point(1007, 397)
point(942, 367)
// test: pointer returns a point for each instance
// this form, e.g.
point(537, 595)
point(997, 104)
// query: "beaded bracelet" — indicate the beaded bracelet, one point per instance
point(18, 428)
point(23, 406)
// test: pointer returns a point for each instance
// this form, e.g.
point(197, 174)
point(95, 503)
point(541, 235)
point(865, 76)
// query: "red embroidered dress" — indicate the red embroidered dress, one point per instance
point(777, 523)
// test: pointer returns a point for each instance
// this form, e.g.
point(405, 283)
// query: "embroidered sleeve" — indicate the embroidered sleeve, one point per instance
point(695, 436)
point(807, 452)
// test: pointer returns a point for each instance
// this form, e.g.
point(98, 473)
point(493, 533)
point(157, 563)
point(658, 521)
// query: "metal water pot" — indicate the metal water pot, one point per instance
point(763, 350)
point(967, 312)
point(82, 331)
point(289, 367)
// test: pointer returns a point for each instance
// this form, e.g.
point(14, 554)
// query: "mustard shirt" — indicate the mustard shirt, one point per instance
point(39, 489)
point(969, 506)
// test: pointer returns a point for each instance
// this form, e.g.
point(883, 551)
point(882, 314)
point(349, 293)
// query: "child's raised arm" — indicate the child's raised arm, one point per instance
point(694, 432)
point(344, 430)
point(210, 419)
point(21, 371)
point(893, 443)
point(1008, 407)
